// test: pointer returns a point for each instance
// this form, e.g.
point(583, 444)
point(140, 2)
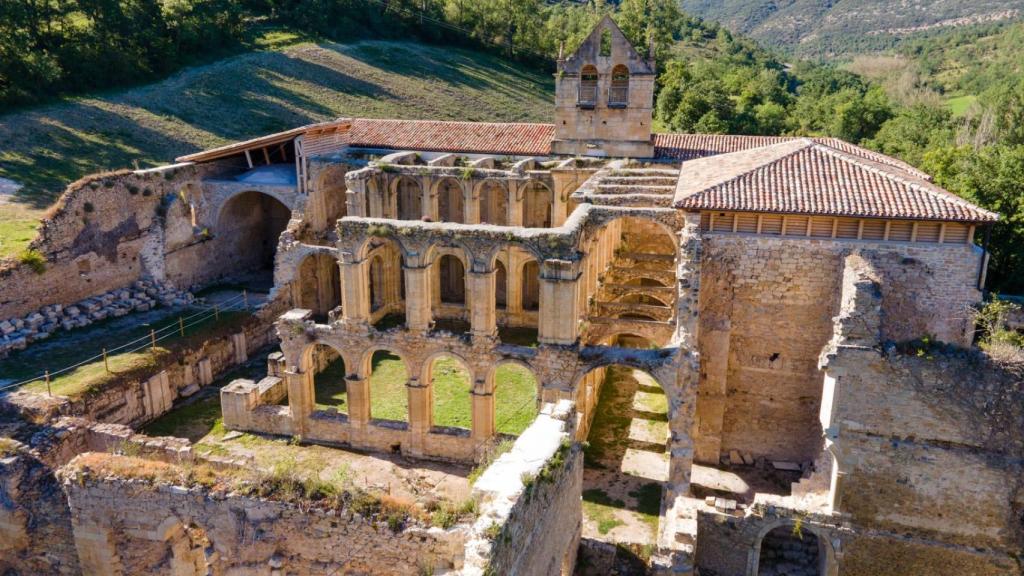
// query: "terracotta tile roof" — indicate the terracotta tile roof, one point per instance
point(439, 136)
point(807, 176)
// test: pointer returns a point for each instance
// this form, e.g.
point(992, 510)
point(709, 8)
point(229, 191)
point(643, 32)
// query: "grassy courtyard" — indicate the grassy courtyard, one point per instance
point(515, 394)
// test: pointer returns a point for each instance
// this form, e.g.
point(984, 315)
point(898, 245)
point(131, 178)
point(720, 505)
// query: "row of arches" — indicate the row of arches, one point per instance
point(448, 378)
point(457, 201)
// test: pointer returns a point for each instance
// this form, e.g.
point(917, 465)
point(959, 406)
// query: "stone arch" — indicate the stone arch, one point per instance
point(409, 198)
point(388, 377)
point(329, 199)
point(650, 299)
point(642, 280)
point(530, 292)
point(588, 86)
point(618, 91)
point(538, 205)
point(452, 279)
point(328, 372)
point(451, 203)
point(516, 391)
point(493, 197)
point(318, 284)
point(629, 340)
point(825, 559)
point(248, 227)
point(449, 379)
point(386, 289)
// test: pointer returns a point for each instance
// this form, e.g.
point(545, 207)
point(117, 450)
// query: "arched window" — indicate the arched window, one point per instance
point(493, 204)
point(537, 201)
point(588, 86)
point(618, 93)
point(531, 286)
point(410, 199)
point(450, 205)
point(500, 286)
point(453, 280)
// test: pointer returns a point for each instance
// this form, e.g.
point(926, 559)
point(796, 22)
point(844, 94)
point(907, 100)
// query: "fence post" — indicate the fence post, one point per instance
point(152, 339)
point(216, 313)
point(181, 326)
point(245, 298)
point(48, 391)
point(105, 364)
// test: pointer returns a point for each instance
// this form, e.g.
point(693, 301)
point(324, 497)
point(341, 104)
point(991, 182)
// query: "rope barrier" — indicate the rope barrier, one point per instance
point(173, 329)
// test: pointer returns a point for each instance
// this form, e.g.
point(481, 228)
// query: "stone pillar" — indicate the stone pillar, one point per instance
point(429, 200)
point(355, 196)
point(471, 203)
point(711, 398)
point(484, 411)
point(358, 400)
point(480, 299)
point(355, 290)
point(97, 555)
point(421, 416)
point(559, 316)
point(300, 398)
point(688, 278)
point(515, 202)
point(418, 298)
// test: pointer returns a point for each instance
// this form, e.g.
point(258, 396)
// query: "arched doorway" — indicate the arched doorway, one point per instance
point(450, 203)
point(493, 204)
point(389, 396)
point(626, 465)
point(515, 398)
point(450, 384)
point(248, 228)
point(318, 285)
point(537, 205)
point(790, 550)
point(410, 198)
point(330, 390)
point(500, 286)
point(386, 288)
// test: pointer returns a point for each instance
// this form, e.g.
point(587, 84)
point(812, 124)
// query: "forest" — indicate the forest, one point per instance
point(710, 80)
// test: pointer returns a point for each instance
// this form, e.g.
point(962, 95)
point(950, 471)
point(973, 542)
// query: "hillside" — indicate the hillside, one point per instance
point(825, 29)
point(246, 96)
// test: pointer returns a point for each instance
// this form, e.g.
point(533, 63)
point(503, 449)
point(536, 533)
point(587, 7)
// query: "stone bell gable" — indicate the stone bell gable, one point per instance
point(604, 93)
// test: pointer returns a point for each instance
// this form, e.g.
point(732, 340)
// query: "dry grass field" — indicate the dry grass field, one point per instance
point(43, 149)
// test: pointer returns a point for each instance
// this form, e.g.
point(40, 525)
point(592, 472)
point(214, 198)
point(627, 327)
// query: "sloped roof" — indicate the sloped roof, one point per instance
point(440, 136)
point(807, 176)
point(264, 141)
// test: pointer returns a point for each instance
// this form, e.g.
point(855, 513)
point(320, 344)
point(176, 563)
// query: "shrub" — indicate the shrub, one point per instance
point(34, 260)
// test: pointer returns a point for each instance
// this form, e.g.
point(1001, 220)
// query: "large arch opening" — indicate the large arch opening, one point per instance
point(500, 286)
point(516, 393)
point(450, 203)
point(248, 229)
point(493, 204)
point(789, 550)
point(318, 285)
point(626, 464)
point(389, 395)
point(449, 307)
point(618, 92)
point(537, 205)
point(327, 203)
point(330, 390)
point(450, 384)
point(386, 283)
point(410, 198)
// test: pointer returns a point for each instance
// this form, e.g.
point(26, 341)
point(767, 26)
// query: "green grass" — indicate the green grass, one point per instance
point(515, 396)
point(53, 356)
point(17, 228)
point(959, 105)
point(330, 389)
point(194, 420)
point(389, 399)
point(600, 508)
point(249, 95)
point(453, 405)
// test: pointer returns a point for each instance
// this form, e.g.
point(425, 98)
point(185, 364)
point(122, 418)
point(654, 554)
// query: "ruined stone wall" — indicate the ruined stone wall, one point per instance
point(135, 401)
point(35, 523)
point(766, 309)
point(530, 511)
point(133, 527)
point(96, 240)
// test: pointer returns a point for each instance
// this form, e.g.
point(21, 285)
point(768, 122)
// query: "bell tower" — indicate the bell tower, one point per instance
point(604, 96)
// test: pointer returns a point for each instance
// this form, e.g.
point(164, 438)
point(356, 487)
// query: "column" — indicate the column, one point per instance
point(300, 398)
point(559, 316)
point(358, 400)
point(484, 411)
point(418, 295)
point(421, 416)
point(355, 290)
point(428, 201)
point(515, 202)
point(482, 315)
point(688, 278)
point(471, 203)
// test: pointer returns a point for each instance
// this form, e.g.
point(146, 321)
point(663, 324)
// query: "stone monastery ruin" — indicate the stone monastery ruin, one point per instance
point(767, 287)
